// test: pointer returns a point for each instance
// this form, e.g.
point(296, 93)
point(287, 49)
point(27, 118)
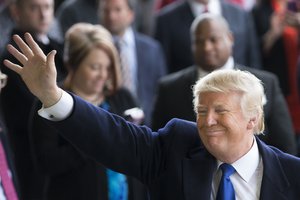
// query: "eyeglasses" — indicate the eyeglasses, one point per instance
point(3, 80)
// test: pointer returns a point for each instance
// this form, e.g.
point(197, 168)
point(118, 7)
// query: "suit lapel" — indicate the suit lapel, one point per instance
point(274, 182)
point(197, 175)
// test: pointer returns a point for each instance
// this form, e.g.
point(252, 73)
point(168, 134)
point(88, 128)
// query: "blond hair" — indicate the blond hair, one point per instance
point(225, 81)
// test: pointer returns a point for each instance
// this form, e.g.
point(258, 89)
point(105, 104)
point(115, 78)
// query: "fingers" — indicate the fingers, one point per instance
point(12, 66)
point(23, 46)
point(33, 45)
point(17, 54)
point(50, 58)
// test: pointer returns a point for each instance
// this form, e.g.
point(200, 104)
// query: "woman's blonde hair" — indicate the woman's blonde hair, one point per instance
point(80, 39)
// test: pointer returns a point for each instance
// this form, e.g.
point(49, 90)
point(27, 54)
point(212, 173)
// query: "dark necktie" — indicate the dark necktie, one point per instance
point(6, 180)
point(226, 190)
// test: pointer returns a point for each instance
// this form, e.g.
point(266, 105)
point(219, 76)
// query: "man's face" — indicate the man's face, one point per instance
point(224, 130)
point(35, 16)
point(116, 15)
point(212, 45)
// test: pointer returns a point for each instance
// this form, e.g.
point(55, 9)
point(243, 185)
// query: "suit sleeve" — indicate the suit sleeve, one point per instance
point(51, 152)
point(115, 143)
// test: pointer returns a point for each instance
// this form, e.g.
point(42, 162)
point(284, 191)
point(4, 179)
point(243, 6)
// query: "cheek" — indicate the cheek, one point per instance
point(199, 122)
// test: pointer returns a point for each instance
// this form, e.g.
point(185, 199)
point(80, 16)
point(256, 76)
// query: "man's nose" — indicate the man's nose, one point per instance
point(210, 119)
point(207, 45)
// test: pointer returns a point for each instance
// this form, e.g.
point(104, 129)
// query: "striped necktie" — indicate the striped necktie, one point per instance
point(127, 78)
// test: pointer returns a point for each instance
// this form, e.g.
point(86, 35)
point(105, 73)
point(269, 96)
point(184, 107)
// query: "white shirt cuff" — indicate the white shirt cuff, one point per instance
point(59, 111)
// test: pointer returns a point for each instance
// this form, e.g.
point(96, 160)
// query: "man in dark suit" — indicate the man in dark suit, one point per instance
point(143, 54)
point(6, 157)
point(173, 31)
point(173, 162)
point(36, 17)
point(212, 49)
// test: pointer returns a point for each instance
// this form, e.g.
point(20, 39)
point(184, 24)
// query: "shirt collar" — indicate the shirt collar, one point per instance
point(246, 165)
point(43, 39)
point(214, 6)
point(127, 38)
point(228, 65)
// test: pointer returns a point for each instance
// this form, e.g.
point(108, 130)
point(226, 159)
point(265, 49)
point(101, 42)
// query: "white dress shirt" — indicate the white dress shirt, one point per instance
point(247, 179)
point(228, 65)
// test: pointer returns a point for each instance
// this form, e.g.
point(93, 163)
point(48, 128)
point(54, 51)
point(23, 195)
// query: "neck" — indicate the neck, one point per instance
point(235, 154)
point(95, 98)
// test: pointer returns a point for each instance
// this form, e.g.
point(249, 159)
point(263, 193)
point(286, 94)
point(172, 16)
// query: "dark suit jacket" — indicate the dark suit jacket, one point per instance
point(69, 174)
point(151, 66)
point(16, 103)
point(173, 31)
point(172, 162)
point(172, 102)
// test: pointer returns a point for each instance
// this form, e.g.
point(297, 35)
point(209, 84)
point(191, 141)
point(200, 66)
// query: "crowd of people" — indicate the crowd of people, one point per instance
point(70, 68)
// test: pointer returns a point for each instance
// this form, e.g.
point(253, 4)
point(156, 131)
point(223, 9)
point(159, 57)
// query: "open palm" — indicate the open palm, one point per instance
point(38, 70)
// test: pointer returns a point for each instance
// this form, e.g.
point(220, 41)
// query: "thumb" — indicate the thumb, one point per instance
point(50, 59)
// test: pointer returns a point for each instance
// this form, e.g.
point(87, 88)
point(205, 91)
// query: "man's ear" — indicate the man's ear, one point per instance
point(230, 38)
point(252, 123)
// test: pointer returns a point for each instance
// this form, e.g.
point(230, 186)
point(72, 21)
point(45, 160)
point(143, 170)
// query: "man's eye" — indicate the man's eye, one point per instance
point(202, 112)
point(221, 111)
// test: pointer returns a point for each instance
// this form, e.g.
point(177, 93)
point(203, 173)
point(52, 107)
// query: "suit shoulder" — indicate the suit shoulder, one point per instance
point(289, 162)
point(275, 158)
point(259, 73)
point(175, 77)
point(183, 128)
point(146, 40)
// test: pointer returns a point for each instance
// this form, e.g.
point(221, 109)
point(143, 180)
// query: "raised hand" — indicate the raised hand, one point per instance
point(38, 70)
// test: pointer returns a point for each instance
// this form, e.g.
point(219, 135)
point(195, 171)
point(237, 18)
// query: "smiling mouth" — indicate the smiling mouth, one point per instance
point(214, 132)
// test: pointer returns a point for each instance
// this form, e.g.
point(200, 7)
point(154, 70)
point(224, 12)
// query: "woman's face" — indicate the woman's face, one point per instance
point(93, 72)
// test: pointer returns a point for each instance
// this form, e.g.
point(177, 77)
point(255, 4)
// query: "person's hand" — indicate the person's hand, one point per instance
point(38, 71)
point(293, 19)
point(275, 31)
point(277, 24)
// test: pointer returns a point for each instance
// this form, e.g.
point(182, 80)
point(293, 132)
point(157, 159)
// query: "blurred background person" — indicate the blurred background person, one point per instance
point(212, 43)
point(245, 4)
point(277, 23)
point(6, 23)
point(142, 58)
point(73, 11)
point(93, 74)
point(8, 178)
point(35, 17)
point(172, 29)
